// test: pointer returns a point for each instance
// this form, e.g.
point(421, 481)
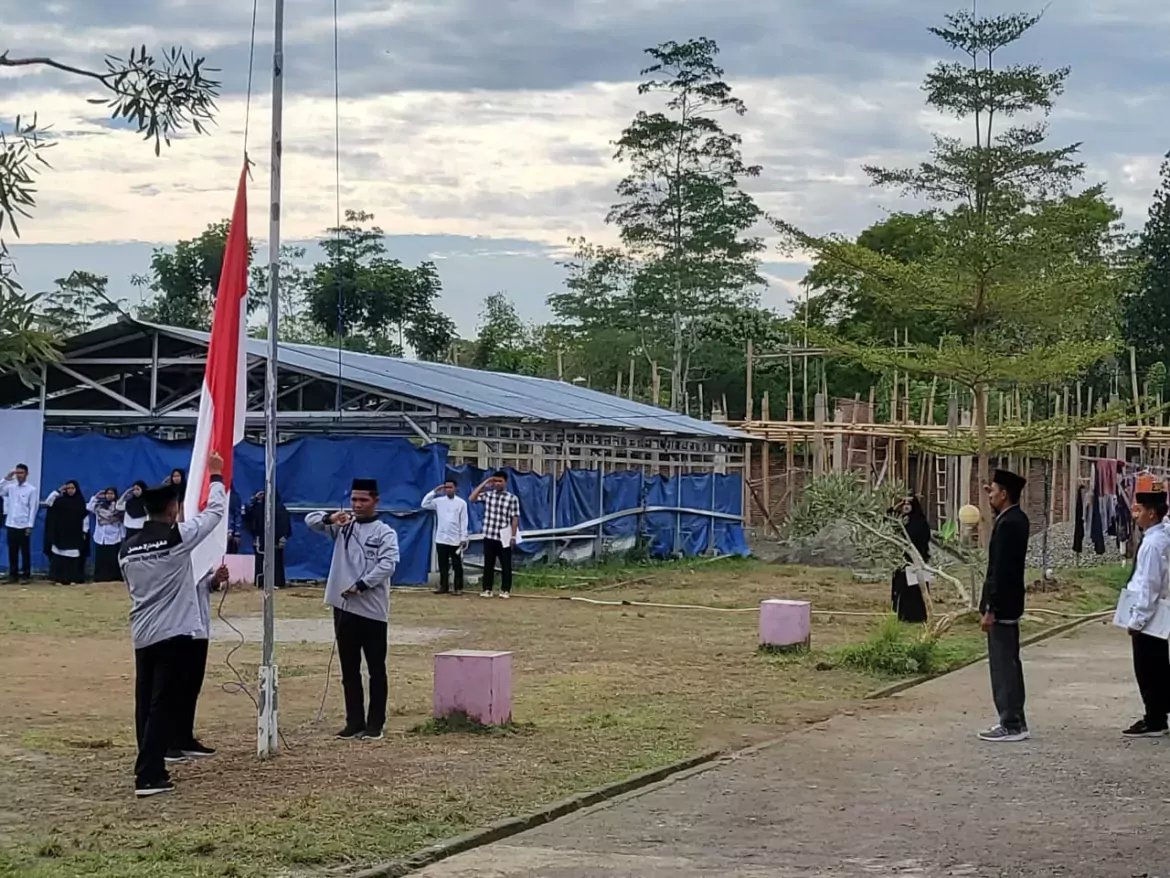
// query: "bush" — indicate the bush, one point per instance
point(843, 499)
point(898, 650)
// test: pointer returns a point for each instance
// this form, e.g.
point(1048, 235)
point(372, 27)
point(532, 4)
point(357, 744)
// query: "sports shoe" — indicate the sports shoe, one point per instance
point(457, 593)
point(157, 788)
point(175, 755)
point(485, 594)
point(196, 750)
point(1142, 729)
point(441, 591)
point(505, 594)
point(373, 735)
point(998, 734)
point(351, 734)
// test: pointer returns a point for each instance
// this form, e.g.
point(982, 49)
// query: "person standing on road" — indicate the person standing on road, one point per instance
point(165, 619)
point(1002, 605)
point(1150, 583)
point(501, 530)
point(450, 533)
point(21, 500)
point(365, 554)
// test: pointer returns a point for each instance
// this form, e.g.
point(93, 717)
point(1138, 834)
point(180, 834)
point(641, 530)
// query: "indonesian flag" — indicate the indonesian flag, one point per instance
point(223, 403)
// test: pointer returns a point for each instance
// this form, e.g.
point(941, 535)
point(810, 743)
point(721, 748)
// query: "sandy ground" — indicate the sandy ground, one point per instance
point(904, 791)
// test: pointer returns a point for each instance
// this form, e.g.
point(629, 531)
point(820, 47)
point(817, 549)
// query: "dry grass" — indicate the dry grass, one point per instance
point(600, 693)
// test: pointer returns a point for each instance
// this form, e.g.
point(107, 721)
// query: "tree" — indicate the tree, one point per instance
point(683, 220)
point(373, 302)
point(1025, 274)
point(504, 342)
point(184, 281)
point(159, 97)
point(1147, 308)
point(79, 303)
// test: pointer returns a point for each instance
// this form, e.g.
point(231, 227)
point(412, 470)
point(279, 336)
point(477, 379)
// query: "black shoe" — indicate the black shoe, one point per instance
point(196, 750)
point(373, 735)
point(176, 755)
point(350, 733)
point(158, 787)
point(441, 591)
point(1142, 729)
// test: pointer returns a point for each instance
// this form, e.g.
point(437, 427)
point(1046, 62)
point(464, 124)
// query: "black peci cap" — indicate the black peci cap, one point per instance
point(1009, 480)
point(157, 498)
point(370, 485)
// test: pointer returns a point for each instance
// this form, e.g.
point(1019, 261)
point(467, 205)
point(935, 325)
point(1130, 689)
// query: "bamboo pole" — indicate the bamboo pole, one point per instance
point(748, 404)
point(789, 475)
point(700, 403)
point(791, 382)
point(1137, 402)
point(819, 442)
point(656, 386)
point(631, 385)
point(765, 459)
point(560, 364)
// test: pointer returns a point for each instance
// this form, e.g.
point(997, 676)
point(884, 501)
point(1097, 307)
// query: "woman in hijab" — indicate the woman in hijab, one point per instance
point(254, 522)
point(107, 535)
point(67, 534)
point(907, 598)
point(178, 479)
point(131, 504)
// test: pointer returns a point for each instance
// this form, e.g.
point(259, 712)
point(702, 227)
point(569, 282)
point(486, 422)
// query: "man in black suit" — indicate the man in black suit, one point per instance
point(1002, 605)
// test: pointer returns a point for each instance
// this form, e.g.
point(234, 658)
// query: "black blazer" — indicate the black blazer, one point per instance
point(1003, 587)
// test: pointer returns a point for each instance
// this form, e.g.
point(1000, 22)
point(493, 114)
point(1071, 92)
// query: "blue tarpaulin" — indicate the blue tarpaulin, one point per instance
point(315, 472)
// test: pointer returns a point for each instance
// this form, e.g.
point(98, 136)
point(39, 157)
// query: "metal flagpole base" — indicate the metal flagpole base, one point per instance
point(267, 729)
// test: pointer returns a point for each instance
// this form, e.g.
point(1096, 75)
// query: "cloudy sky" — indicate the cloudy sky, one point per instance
point(479, 133)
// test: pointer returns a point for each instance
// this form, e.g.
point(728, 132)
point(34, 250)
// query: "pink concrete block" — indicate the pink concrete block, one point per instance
point(474, 682)
point(241, 569)
point(785, 623)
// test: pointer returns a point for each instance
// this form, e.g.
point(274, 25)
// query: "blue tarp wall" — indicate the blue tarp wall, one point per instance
point(315, 472)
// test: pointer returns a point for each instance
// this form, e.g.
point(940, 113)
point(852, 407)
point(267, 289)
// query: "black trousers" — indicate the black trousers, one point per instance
point(19, 553)
point(161, 687)
point(184, 729)
point(493, 550)
point(280, 581)
point(358, 636)
point(105, 564)
point(66, 571)
point(1151, 666)
point(1007, 674)
point(449, 558)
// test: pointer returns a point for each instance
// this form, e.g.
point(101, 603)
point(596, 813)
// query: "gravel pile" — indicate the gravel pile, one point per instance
point(1061, 555)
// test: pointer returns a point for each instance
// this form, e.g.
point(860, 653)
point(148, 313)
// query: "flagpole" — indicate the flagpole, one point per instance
point(268, 734)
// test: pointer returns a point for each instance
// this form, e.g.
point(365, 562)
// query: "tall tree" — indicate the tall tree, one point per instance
point(159, 97)
point(79, 303)
point(373, 301)
point(1025, 271)
point(1147, 308)
point(684, 222)
point(504, 343)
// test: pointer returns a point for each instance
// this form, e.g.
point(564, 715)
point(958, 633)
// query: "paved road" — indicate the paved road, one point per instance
point(904, 790)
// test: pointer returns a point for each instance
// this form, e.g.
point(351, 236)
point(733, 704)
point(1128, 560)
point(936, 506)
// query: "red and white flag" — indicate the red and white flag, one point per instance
point(223, 403)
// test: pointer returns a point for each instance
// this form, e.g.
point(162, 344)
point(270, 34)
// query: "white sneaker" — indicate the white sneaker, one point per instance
point(505, 594)
point(485, 594)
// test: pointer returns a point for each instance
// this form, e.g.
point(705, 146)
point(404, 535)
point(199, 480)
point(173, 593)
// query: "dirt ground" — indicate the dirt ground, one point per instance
point(907, 790)
point(600, 692)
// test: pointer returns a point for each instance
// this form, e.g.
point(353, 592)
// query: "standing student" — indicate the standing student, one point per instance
point(254, 522)
point(909, 601)
point(20, 508)
point(365, 553)
point(66, 542)
point(185, 744)
point(501, 528)
point(135, 510)
point(164, 619)
point(108, 533)
point(1002, 605)
point(1150, 583)
point(450, 533)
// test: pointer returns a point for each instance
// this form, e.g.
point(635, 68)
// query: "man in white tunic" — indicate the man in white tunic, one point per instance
point(450, 533)
point(1149, 584)
point(21, 500)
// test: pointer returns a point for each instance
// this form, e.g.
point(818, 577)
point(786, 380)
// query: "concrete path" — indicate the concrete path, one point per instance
point(903, 790)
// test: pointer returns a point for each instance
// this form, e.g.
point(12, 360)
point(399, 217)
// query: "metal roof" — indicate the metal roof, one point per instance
point(478, 393)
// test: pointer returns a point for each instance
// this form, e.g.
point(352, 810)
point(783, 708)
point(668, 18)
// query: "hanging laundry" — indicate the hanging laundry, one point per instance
point(1124, 523)
point(1096, 525)
point(1078, 544)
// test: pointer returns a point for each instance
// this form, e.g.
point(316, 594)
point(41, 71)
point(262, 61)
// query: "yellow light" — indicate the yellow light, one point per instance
point(969, 515)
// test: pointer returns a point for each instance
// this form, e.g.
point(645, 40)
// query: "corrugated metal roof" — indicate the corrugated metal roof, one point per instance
point(478, 393)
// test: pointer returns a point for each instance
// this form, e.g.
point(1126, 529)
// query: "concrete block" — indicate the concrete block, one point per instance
point(785, 623)
point(241, 569)
point(475, 682)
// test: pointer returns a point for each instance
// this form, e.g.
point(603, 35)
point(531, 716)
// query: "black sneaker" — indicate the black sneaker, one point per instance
point(373, 735)
point(441, 591)
point(1142, 729)
point(350, 734)
point(157, 788)
point(176, 755)
point(196, 750)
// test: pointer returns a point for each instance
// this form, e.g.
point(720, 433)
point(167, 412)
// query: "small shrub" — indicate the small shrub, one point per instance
point(898, 650)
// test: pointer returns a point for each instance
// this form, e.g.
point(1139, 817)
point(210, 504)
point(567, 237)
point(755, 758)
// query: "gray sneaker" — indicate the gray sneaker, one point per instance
point(998, 734)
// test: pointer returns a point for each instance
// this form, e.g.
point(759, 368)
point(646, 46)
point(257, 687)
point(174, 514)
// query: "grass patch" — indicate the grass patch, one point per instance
point(899, 650)
point(459, 723)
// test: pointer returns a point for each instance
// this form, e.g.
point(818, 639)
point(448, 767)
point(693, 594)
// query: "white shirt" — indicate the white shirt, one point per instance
point(450, 518)
point(1151, 575)
point(130, 522)
point(20, 504)
point(105, 534)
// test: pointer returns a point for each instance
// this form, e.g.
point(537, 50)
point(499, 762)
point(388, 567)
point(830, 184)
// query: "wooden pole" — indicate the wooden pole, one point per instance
point(656, 385)
point(560, 365)
point(869, 443)
point(765, 459)
point(700, 403)
point(618, 390)
point(789, 475)
point(791, 382)
point(630, 388)
point(819, 440)
point(748, 404)
point(1137, 402)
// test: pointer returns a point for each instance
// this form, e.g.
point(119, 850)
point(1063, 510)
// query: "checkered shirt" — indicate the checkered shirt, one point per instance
point(499, 508)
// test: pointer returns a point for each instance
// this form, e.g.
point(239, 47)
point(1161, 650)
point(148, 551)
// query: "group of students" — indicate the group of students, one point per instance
point(1001, 604)
point(76, 528)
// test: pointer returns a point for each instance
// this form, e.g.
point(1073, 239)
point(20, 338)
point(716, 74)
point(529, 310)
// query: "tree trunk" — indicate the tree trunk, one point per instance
point(676, 369)
point(984, 473)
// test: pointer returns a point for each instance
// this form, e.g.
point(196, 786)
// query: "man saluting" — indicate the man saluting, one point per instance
point(165, 619)
point(1002, 605)
point(365, 553)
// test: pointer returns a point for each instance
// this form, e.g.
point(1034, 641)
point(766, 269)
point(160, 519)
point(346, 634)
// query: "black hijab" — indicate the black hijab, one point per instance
point(65, 521)
point(135, 508)
point(181, 488)
point(918, 528)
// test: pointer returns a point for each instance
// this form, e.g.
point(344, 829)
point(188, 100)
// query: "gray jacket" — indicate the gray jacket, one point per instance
point(364, 552)
point(156, 563)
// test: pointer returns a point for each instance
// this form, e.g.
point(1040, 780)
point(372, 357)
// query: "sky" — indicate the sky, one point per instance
point(480, 133)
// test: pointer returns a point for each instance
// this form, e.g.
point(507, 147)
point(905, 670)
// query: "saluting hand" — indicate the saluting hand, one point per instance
point(341, 519)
